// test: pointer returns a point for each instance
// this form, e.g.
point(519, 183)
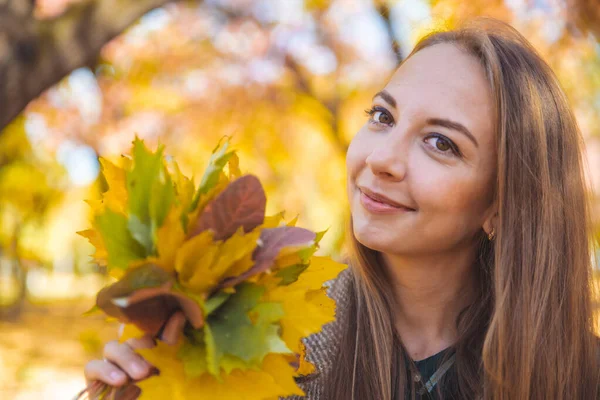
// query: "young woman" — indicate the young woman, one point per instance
point(470, 275)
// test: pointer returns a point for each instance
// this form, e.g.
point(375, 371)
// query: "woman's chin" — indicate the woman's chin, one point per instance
point(376, 235)
point(372, 240)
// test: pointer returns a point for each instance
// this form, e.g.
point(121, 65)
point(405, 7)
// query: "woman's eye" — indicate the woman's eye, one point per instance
point(379, 115)
point(382, 118)
point(442, 144)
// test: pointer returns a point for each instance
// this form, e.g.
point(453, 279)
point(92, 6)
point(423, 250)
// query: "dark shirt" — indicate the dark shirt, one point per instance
point(427, 367)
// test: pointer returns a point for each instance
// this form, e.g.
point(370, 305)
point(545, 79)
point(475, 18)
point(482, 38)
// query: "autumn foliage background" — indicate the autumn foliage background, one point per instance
point(288, 79)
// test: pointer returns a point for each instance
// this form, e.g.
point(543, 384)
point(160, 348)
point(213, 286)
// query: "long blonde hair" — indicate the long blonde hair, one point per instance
point(529, 334)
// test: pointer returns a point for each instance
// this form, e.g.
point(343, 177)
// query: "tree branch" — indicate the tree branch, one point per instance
point(585, 14)
point(36, 54)
point(384, 11)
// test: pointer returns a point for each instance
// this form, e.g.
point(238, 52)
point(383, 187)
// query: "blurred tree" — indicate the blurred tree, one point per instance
point(29, 187)
point(585, 14)
point(37, 53)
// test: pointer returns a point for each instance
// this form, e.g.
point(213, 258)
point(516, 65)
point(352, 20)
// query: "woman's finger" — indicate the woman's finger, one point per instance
point(144, 342)
point(104, 371)
point(122, 355)
point(173, 328)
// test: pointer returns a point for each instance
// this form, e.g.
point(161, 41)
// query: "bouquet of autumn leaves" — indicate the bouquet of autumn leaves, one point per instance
point(249, 285)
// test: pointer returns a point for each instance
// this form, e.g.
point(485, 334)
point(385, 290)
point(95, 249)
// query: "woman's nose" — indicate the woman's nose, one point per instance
point(388, 161)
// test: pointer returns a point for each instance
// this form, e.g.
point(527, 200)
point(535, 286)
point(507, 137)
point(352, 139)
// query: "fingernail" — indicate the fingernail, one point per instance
point(138, 368)
point(116, 376)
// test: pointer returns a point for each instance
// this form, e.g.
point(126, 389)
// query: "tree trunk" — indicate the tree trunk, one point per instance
point(36, 54)
point(12, 311)
point(586, 15)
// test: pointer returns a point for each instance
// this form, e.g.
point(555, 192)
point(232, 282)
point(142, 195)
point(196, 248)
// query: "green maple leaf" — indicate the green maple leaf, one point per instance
point(320, 235)
point(218, 159)
point(193, 357)
point(141, 232)
point(243, 328)
point(120, 245)
point(146, 167)
point(291, 273)
point(151, 193)
point(215, 301)
point(307, 253)
point(161, 198)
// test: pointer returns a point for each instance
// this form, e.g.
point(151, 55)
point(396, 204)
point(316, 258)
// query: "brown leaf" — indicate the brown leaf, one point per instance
point(145, 276)
point(145, 298)
point(127, 392)
point(241, 204)
point(272, 242)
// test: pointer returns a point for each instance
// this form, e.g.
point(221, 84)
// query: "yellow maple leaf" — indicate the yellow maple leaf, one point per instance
point(305, 313)
point(115, 198)
point(268, 280)
point(97, 206)
point(169, 238)
point(240, 266)
point(320, 270)
point(184, 187)
point(285, 260)
point(305, 302)
point(194, 255)
point(305, 367)
point(116, 273)
point(235, 248)
point(273, 221)
point(204, 264)
point(294, 221)
point(234, 167)
point(100, 255)
point(237, 253)
point(274, 378)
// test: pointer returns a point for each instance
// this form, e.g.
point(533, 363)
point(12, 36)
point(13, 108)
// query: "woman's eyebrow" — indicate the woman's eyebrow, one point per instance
point(387, 97)
point(446, 123)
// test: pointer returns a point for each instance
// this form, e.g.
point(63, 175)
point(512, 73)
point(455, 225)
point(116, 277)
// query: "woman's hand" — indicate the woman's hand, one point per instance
point(122, 364)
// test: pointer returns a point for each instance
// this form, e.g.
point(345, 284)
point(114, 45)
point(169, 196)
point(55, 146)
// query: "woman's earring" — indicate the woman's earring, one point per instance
point(492, 235)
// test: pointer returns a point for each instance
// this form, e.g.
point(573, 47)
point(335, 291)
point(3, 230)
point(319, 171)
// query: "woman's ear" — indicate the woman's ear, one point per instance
point(491, 221)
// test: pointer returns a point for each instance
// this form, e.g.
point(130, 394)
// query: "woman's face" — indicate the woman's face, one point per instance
point(422, 169)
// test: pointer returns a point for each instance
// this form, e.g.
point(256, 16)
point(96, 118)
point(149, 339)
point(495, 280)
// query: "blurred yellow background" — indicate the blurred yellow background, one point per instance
point(288, 79)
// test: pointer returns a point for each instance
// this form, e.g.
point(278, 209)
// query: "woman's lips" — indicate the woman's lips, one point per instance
point(379, 207)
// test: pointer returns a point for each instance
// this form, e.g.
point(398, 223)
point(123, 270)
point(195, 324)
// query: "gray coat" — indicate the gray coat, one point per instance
point(322, 346)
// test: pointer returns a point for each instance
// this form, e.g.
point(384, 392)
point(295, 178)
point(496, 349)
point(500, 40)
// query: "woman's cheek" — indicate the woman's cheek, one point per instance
point(435, 186)
point(356, 154)
point(454, 194)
